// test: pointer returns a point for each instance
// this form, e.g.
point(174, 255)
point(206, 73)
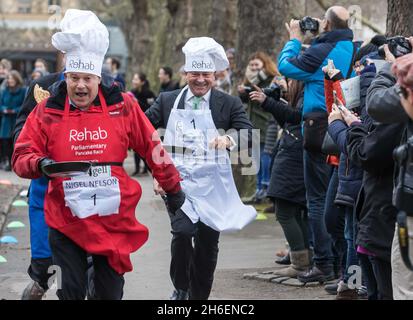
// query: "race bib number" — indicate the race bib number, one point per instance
point(94, 193)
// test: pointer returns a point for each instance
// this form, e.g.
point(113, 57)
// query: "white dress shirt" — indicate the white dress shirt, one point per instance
point(204, 105)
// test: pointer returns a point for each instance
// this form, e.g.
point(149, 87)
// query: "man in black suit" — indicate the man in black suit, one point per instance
point(193, 265)
point(227, 111)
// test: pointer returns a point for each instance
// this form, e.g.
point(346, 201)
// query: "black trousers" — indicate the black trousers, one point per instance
point(377, 273)
point(194, 250)
point(137, 163)
point(73, 263)
point(6, 150)
point(293, 220)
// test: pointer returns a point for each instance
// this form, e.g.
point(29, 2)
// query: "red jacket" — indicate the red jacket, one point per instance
point(101, 134)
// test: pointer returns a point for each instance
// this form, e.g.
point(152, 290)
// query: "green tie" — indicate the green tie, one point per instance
point(196, 102)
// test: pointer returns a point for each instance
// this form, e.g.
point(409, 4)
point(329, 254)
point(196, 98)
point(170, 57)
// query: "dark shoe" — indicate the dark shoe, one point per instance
point(33, 291)
point(179, 295)
point(331, 288)
point(285, 261)
point(316, 275)
point(362, 293)
point(270, 209)
point(261, 194)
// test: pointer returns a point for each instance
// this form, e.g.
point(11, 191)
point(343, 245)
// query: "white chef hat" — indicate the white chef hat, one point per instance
point(84, 39)
point(204, 55)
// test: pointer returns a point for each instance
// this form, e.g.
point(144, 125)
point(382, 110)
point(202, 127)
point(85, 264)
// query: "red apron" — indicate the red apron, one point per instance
point(95, 136)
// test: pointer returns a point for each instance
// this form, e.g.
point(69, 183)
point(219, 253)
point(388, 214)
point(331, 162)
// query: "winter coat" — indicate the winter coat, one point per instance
point(287, 176)
point(118, 78)
point(10, 103)
point(271, 137)
point(350, 175)
point(145, 98)
point(170, 86)
point(376, 216)
point(335, 45)
point(259, 118)
point(383, 100)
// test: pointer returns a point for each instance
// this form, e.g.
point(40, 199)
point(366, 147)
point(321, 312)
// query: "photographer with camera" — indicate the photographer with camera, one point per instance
point(286, 188)
point(383, 103)
point(260, 72)
point(390, 101)
point(343, 193)
point(371, 145)
point(334, 43)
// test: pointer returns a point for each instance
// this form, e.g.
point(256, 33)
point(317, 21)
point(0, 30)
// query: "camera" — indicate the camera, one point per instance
point(398, 46)
point(273, 91)
point(309, 24)
point(403, 193)
point(248, 89)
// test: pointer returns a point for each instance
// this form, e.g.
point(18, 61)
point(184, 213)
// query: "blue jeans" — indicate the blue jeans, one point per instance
point(41, 255)
point(264, 174)
point(352, 259)
point(335, 222)
point(39, 231)
point(317, 175)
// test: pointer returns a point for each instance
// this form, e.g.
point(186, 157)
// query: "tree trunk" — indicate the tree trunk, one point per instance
point(400, 18)
point(136, 30)
point(174, 22)
point(260, 28)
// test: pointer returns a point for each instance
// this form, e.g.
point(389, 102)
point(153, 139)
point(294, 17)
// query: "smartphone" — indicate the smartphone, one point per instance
point(331, 64)
point(337, 102)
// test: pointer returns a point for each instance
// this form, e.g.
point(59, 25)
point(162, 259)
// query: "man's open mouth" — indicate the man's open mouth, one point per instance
point(81, 94)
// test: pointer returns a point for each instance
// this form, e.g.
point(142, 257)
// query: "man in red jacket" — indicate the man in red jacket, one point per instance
point(87, 121)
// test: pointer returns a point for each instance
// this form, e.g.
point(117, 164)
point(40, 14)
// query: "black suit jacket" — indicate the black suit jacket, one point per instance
point(227, 112)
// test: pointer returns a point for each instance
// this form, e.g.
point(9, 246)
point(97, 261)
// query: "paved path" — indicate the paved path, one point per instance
point(250, 250)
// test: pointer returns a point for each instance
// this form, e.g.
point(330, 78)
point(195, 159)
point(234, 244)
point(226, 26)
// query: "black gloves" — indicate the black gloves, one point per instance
point(174, 201)
point(44, 162)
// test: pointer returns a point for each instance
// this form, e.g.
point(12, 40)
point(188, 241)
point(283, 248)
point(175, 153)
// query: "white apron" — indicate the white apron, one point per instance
point(211, 194)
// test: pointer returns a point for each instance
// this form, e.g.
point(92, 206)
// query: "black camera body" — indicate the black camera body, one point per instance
point(403, 193)
point(398, 46)
point(248, 89)
point(273, 91)
point(309, 24)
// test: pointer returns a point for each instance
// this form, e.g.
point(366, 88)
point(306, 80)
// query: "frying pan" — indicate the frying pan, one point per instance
point(67, 169)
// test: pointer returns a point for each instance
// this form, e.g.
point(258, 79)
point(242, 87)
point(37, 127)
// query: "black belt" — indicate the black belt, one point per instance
point(101, 164)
